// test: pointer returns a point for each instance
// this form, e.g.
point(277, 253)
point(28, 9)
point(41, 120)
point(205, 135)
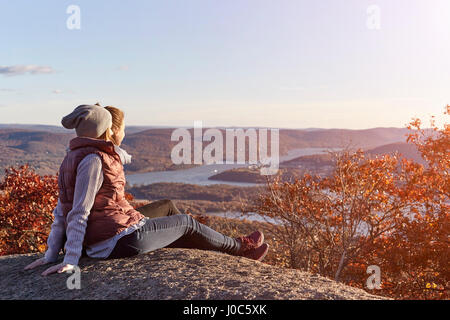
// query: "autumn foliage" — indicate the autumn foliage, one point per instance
point(27, 201)
point(385, 211)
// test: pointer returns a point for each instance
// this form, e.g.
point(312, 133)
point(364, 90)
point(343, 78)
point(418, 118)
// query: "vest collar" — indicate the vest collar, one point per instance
point(79, 142)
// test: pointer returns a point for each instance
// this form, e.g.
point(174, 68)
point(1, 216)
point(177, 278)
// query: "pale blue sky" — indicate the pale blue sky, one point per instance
point(284, 63)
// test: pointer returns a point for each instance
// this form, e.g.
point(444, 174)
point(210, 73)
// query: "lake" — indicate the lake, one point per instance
point(199, 175)
point(251, 216)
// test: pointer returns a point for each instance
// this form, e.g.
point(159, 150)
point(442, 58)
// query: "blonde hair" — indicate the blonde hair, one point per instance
point(117, 121)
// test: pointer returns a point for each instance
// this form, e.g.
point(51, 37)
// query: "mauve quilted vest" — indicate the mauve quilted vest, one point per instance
point(111, 212)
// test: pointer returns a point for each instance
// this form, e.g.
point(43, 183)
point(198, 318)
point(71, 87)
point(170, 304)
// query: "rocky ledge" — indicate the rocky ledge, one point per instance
point(170, 274)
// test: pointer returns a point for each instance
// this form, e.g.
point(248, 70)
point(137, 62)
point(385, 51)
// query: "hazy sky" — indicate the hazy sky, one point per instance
point(283, 63)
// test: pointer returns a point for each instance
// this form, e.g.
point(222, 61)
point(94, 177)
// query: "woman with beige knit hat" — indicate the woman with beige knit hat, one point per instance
point(93, 217)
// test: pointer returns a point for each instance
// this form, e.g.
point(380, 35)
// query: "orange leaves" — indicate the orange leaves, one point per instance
point(129, 196)
point(26, 204)
point(384, 211)
point(335, 213)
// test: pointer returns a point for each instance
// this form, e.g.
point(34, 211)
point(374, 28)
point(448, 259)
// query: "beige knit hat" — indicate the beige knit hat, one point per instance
point(88, 120)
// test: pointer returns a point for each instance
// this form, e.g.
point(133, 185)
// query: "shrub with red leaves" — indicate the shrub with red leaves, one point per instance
point(27, 201)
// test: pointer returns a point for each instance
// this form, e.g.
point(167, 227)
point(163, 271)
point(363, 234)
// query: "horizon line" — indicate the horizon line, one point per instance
point(218, 127)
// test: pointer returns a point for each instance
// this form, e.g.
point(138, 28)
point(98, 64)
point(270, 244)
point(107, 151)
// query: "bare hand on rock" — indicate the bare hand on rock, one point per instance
point(36, 263)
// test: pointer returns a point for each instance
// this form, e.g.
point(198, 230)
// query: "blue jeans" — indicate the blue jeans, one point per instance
point(174, 231)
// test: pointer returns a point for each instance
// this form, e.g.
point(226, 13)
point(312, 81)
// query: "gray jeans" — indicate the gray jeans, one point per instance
point(165, 227)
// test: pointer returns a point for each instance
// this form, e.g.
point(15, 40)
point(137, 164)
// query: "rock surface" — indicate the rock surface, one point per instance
point(170, 274)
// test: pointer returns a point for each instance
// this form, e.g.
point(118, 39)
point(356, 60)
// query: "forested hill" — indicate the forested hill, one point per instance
point(43, 147)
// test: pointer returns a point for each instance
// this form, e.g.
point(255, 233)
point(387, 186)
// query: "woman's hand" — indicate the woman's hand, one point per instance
point(36, 263)
point(62, 267)
point(56, 268)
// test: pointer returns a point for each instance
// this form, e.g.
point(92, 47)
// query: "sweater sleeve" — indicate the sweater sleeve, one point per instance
point(56, 237)
point(88, 181)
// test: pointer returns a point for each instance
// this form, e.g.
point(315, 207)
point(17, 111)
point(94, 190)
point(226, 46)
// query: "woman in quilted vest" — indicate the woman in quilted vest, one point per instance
point(93, 217)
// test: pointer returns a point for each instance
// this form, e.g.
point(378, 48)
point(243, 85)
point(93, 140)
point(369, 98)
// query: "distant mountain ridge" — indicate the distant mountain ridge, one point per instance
point(321, 164)
point(43, 147)
point(405, 150)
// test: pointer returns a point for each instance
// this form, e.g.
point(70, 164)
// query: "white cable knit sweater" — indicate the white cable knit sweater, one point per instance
point(88, 181)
